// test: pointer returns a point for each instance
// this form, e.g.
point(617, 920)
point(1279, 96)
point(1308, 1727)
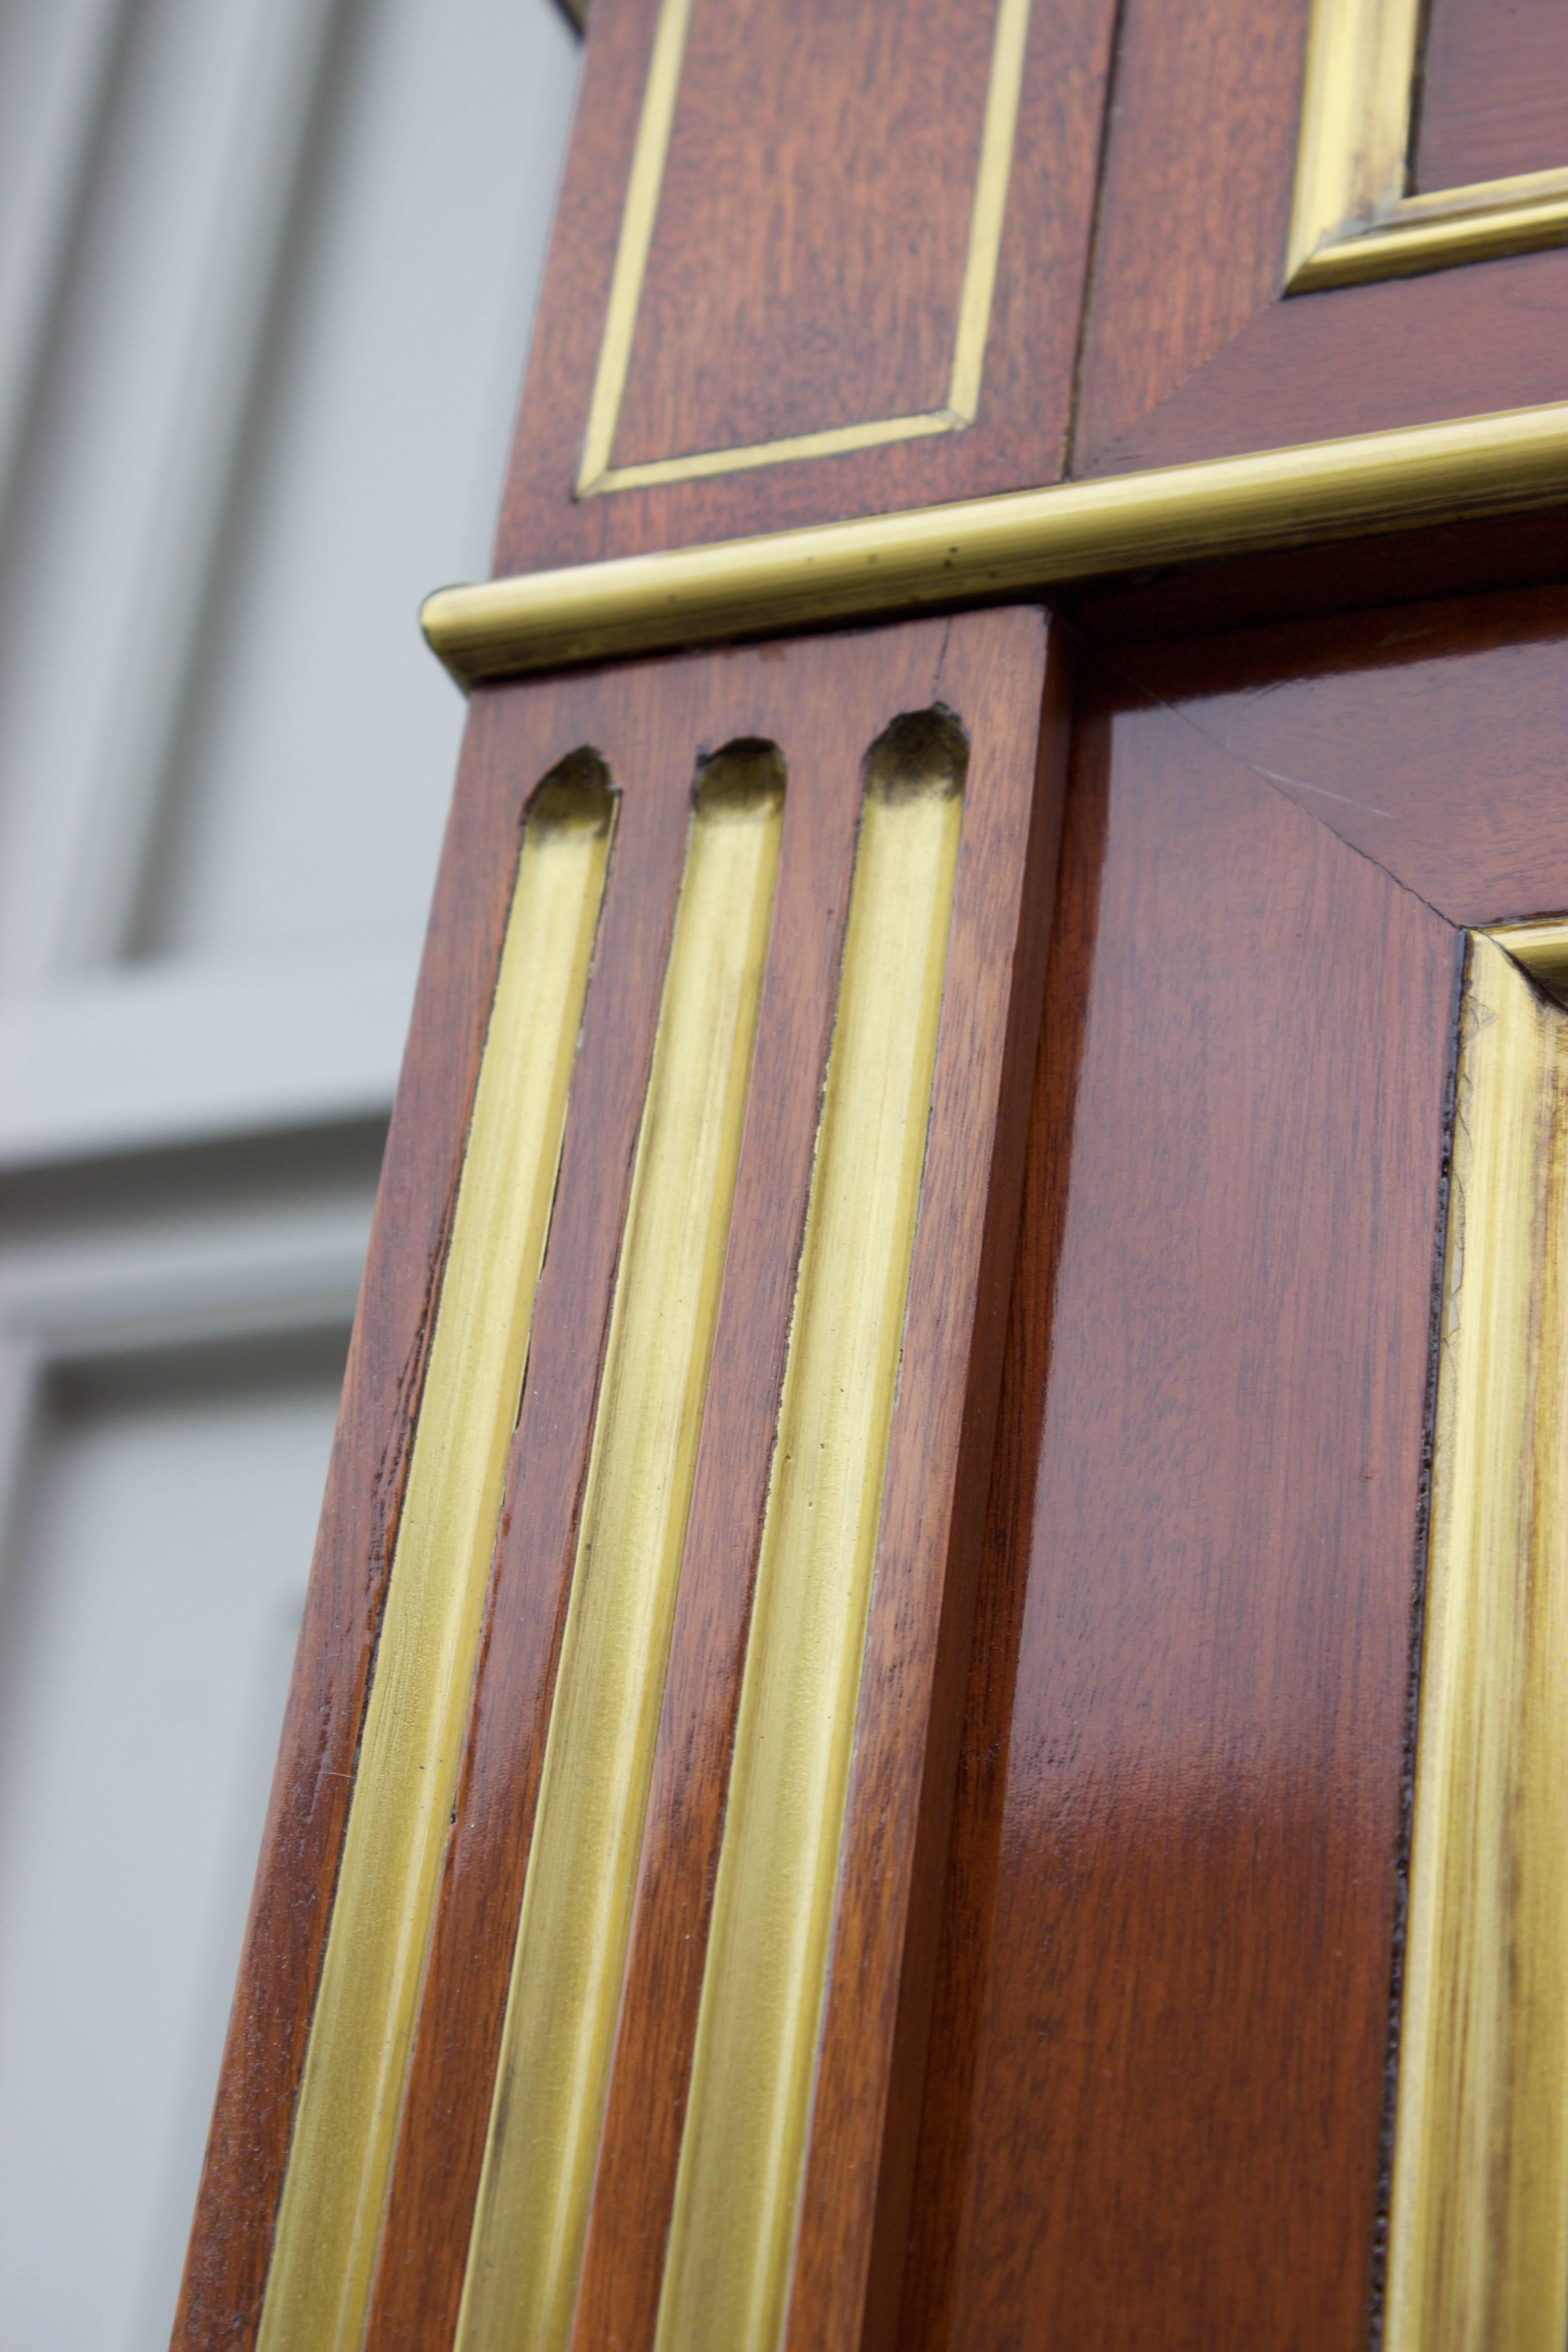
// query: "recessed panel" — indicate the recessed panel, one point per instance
point(770, 306)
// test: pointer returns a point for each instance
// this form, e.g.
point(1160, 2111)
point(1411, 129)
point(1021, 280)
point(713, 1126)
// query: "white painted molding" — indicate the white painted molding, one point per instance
point(223, 1273)
point(218, 1273)
point(55, 63)
point(158, 1054)
point(269, 94)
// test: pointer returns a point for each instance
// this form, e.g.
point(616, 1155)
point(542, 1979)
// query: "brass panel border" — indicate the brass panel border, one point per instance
point(1479, 2224)
point(1352, 219)
point(597, 474)
point(1026, 539)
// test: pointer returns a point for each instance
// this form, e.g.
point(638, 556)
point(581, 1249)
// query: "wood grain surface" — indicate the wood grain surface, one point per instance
point(854, 140)
point(801, 272)
point(871, 2056)
point(1494, 91)
point(823, 702)
point(1432, 737)
point(1189, 350)
point(1156, 2087)
point(975, 1856)
point(803, 265)
point(1450, 561)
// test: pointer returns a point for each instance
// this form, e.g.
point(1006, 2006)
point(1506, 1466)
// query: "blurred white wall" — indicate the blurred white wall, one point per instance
point(267, 268)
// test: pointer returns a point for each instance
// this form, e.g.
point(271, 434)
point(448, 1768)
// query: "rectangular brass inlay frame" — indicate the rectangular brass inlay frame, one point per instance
point(356, 2059)
point(597, 475)
point(1479, 2227)
point(738, 2186)
point(526, 2248)
point(1351, 220)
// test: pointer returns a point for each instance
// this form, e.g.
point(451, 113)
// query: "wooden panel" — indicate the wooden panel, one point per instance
point(806, 252)
point(1494, 91)
point(793, 172)
point(1189, 350)
point(823, 703)
point(1452, 559)
point(804, 266)
point(1156, 2092)
point(1432, 737)
point(1357, 358)
point(1194, 204)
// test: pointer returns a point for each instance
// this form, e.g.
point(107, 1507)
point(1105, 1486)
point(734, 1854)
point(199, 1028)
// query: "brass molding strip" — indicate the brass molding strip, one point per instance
point(1352, 219)
point(596, 474)
point(1541, 947)
point(340, 2159)
point(526, 2248)
point(1479, 2227)
point(738, 2184)
point(1477, 224)
point(888, 564)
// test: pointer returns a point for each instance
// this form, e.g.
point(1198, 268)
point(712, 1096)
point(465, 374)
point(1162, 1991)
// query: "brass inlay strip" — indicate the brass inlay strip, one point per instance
point(737, 2187)
point(886, 564)
point(334, 2192)
point(1482, 223)
point(654, 126)
point(1541, 947)
point(1352, 219)
point(597, 474)
point(996, 141)
point(526, 2250)
point(1478, 2229)
point(1356, 115)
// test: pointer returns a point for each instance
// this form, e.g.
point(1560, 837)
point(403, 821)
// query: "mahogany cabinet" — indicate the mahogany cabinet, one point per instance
point(929, 1711)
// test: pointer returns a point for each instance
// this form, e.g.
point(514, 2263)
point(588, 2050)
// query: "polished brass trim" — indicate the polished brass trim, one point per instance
point(596, 474)
point(1541, 947)
point(526, 2248)
point(1352, 219)
point(742, 2149)
point(1479, 2227)
point(356, 2061)
point(1474, 224)
point(1355, 117)
point(889, 564)
point(978, 285)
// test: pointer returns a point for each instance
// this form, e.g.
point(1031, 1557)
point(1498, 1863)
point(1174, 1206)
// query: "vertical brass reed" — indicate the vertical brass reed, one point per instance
point(726, 2279)
point(356, 2059)
point(526, 2250)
